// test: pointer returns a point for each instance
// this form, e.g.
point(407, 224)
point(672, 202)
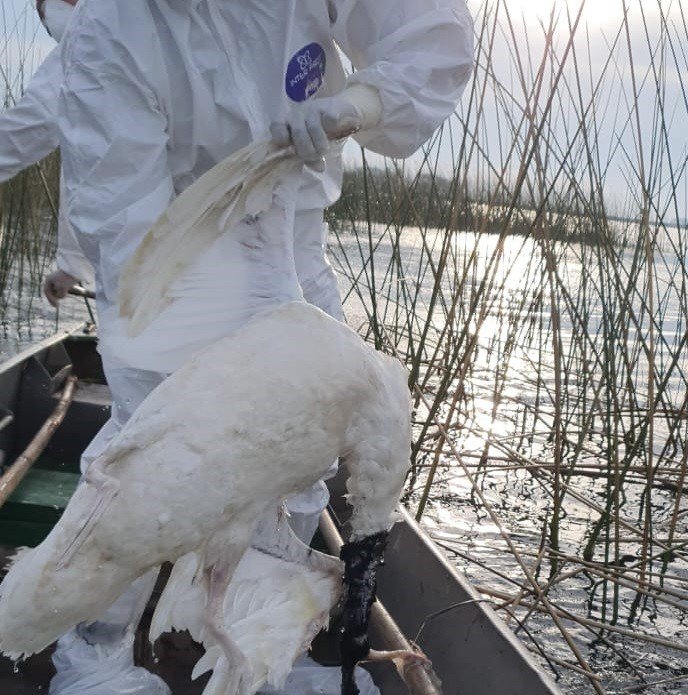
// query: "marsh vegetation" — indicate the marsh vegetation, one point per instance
point(529, 267)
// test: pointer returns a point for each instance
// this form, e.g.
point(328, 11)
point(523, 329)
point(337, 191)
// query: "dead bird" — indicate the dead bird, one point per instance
point(246, 422)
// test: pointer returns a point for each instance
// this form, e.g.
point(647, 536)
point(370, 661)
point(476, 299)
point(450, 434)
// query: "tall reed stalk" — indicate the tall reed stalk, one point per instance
point(529, 266)
point(28, 203)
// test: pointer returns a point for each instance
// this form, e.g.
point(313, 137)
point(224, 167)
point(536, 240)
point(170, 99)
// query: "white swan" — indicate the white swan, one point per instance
point(247, 421)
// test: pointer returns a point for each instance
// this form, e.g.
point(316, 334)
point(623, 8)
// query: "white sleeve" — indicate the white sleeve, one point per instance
point(114, 145)
point(418, 54)
point(28, 130)
point(69, 257)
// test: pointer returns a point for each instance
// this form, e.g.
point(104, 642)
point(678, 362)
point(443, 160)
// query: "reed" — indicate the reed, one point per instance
point(529, 266)
point(28, 203)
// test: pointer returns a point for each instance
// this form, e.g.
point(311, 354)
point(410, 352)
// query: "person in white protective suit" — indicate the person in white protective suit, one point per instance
point(29, 132)
point(157, 92)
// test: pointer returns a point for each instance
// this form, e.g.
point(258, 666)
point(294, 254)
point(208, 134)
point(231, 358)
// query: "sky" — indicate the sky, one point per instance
point(23, 42)
point(616, 133)
point(601, 19)
point(20, 26)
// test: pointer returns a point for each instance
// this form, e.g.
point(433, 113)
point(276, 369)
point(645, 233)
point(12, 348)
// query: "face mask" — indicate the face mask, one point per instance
point(56, 16)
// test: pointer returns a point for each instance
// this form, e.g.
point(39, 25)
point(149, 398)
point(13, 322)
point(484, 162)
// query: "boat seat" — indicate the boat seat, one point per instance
point(35, 506)
point(93, 394)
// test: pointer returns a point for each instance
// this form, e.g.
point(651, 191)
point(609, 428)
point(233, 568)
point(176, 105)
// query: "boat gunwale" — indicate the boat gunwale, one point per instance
point(13, 361)
point(495, 621)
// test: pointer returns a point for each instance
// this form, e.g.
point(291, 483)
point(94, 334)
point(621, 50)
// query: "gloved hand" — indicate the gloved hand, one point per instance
point(57, 285)
point(311, 126)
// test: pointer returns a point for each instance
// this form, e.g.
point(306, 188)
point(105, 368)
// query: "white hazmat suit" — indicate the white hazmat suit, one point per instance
point(157, 92)
point(28, 133)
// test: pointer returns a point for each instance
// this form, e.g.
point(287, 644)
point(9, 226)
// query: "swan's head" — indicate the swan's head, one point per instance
point(361, 560)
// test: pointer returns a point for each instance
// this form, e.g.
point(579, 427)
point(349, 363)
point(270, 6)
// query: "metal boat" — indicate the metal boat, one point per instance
point(423, 598)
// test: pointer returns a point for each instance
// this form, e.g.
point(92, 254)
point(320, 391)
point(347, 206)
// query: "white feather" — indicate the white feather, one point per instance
point(279, 599)
point(239, 187)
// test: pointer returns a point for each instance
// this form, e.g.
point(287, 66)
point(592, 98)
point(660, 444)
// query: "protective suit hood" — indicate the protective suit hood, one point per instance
point(55, 15)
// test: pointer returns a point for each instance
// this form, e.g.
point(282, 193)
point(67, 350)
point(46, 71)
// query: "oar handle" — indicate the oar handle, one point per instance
point(79, 291)
point(17, 471)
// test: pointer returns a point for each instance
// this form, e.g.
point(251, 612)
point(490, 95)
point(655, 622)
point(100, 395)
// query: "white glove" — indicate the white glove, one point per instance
point(311, 126)
point(57, 285)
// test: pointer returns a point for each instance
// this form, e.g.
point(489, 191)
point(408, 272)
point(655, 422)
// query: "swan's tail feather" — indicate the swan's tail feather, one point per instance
point(280, 597)
point(183, 600)
point(275, 608)
point(208, 662)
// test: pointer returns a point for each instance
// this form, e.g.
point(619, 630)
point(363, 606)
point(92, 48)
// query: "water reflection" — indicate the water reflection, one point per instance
point(492, 313)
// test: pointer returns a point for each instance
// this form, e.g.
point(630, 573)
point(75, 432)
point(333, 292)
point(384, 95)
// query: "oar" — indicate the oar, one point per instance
point(79, 291)
point(22, 464)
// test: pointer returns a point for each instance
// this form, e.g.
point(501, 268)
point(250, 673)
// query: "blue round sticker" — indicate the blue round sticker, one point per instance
point(305, 72)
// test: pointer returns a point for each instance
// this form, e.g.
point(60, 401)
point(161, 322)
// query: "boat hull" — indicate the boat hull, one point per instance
point(472, 649)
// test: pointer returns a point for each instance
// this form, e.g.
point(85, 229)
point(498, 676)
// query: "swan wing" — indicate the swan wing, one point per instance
point(239, 186)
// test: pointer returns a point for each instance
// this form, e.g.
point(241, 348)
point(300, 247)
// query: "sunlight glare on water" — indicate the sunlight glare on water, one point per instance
point(501, 385)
